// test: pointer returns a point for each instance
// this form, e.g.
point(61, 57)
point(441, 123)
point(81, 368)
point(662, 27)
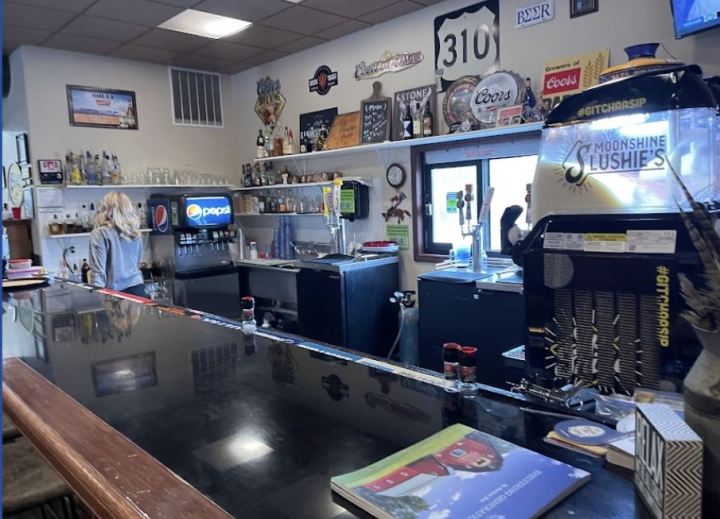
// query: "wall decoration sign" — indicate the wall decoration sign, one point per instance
point(270, 102)
point(566, 76)
point(388, 62)
point(411, 96)
point(101, 108)
point(311, 122)
point(51, 171)
point(510, 116)
point(375, 113)
point(534, 14)
point(582, 7)
point(493, 92)
point(467, 42)
point(456, 105)
point(398, 233)
point(323, 80)
point(345, 131)
point(668, 463)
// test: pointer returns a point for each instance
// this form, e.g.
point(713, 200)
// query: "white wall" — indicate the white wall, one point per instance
point(619, 23)
point(37, 104)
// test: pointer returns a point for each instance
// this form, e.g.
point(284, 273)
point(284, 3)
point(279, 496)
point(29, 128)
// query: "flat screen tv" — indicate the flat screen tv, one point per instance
point(691, 16)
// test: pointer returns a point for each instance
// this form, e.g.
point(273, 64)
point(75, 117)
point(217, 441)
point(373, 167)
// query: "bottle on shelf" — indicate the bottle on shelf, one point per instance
point(322, 138)
point(68, 225)
point(85, 271)
point(282, 206)
point(303, 144)
point(6, 212)
point(291, 143)
point(261, 203)
point(286, 142)
point(115, 172)
point(54, 226)
point(142, 216)
point(427, 121)
point(531, 112)
point(90, 171)
point(106, 169)
point(72, 169)
point(91, 217)
point(247, 175)
point(98, 165)
point(260, 143)
point(407, 123)
point(84, 219)
point(529, 99)
point(417, 127)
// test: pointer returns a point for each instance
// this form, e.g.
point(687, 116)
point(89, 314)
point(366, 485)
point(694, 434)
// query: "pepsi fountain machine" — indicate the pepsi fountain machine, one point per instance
point(601, 265)
point(190, 233)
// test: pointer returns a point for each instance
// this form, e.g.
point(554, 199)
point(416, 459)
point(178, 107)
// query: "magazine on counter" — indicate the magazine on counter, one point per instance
point(460, 472)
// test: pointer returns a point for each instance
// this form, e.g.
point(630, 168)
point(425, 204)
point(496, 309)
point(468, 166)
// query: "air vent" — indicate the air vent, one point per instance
point(196, 98)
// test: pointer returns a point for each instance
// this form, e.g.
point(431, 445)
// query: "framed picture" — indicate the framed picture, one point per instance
point(23, 150)
point(582, 7)
point(101, 108)
point(51, 171)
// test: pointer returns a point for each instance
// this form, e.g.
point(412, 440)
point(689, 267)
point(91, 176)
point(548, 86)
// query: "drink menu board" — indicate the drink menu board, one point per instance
point(375, 121)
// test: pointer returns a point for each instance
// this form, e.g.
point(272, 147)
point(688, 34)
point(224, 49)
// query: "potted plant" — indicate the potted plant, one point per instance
point(702, 384)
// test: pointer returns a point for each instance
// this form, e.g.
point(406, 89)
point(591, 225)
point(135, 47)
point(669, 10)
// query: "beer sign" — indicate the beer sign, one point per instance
point(494, 92)
point(323, 80)
point(567, 76)
point(534, 14)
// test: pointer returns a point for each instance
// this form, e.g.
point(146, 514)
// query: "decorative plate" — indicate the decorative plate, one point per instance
point(456, 105)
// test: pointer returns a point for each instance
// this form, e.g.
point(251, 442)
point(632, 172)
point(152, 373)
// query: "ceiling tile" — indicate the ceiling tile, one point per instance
point(75, 6)
point(139, 53)
point(227, 50)
point(302, 19)
point(263, 37)
point(343, 29)
point(142, 12)
point(390, 12)
point(349, 8)
point(297, 46)
point(250, 10)
point(33, 17)
point(103, 28)
point(170, 40)
point(234, 68)
point(80, 43)
point(265, 57)
point(200, 62)
point(13, 37)
point(178, 3)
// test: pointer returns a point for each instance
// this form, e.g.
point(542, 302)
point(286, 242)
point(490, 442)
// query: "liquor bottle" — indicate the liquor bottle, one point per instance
point(427, 121)
point(85, 271)
point(90, 171)
point(407, 123)
point(322, 138)
point(529, 99)
point(116, 173)
point(291, 143)
point(54, 226)
point(142, 216)
point(286, 142)
point(98, 165)
point(68, 225)
point(257, 178)
point(417, 122)
point(303, 145)
point(260, 143)
point(247, 175)
point(106, 168)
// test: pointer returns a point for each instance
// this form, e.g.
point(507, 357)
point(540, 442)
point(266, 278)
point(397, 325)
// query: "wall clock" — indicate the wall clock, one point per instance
point(395, 175)
point(15, 184)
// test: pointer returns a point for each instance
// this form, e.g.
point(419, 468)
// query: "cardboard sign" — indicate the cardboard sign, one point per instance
point(567, 76)
point(668, 463)
point(345, 131)
point(375, 121)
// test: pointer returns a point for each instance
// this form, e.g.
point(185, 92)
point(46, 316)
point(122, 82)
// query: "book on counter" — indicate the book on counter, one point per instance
point(460, 472)
point(622, 452)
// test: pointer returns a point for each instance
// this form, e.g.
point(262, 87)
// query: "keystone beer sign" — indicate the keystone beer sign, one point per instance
point(568, 76)
point(323, 80)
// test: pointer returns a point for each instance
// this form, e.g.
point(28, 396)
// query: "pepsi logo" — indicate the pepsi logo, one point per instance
point(160, 218)
point(194, 211)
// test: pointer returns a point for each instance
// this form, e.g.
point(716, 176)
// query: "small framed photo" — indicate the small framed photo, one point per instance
point(510, 115)
point(51, 171)
point(583, 7)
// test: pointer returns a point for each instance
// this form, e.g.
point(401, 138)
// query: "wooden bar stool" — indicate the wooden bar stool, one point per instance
point(30, 483)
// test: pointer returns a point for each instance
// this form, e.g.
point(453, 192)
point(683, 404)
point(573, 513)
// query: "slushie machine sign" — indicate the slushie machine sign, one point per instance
point(208, 211)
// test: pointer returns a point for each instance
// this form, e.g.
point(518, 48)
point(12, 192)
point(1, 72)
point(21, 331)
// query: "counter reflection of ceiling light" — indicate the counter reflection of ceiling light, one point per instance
point(619, 121)
point(233, 451)
point(204, 24)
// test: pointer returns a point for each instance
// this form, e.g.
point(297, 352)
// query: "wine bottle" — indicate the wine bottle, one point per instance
point(427, 121)
point(417, 122)
point(260, 143)
point(407, 122)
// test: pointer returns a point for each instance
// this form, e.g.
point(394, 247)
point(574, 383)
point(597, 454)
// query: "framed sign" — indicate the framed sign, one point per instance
point(375, 114)
point(510, 115)
point(582, 7)
point(467, 42)
point(411, 97)
point(323, 80)
point(311, 122)
point(51, 171)
point(101, 108)
point(345, 131)
point(572, 74)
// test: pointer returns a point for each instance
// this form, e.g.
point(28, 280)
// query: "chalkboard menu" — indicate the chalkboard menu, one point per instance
point(375, 120)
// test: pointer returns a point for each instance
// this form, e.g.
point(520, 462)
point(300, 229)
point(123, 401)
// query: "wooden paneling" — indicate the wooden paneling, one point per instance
point(112, 475)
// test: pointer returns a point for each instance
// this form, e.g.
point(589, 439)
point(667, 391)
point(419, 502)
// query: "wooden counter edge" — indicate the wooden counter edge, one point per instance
point(98, 492)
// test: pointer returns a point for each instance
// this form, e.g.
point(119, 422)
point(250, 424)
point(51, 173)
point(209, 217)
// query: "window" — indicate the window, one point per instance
point(443, 177)
point(196, 98)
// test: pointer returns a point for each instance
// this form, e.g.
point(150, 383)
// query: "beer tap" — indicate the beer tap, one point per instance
point(479, 258)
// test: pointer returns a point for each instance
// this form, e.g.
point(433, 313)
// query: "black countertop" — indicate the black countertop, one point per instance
point(260, 424)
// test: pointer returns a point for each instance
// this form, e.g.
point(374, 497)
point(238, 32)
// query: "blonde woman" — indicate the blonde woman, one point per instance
point(116, 246)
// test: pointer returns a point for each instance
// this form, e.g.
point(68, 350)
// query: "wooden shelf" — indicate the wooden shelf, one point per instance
point(505, 131)
point(78, 234)
point(147, 186)
point(298, 186)
point(278, 214)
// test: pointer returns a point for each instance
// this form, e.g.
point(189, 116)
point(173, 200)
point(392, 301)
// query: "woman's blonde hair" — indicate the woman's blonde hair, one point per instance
point(116, 210)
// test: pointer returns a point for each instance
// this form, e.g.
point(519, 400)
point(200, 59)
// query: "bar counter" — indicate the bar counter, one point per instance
point(121, 396)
